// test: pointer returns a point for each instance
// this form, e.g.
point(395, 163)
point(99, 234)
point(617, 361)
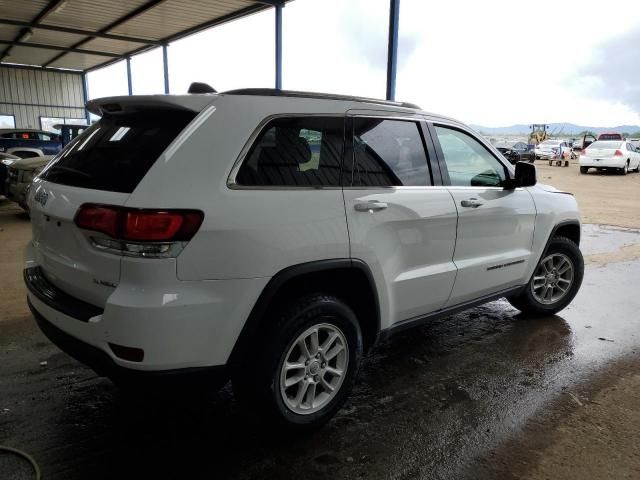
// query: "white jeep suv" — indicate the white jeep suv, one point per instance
point(272, 237)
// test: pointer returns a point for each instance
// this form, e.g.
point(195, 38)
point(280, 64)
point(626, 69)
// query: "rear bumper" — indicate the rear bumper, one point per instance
point(104, 365)
point(172, 324)
point(617, 162)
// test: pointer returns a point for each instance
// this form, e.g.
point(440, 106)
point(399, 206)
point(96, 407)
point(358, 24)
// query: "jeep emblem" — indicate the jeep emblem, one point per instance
point(41, 197)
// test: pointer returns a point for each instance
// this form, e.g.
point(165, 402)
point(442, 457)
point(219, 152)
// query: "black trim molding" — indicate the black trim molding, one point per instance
point(55, 298)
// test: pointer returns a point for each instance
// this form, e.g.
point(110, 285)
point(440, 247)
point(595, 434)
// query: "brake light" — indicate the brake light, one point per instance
point(139, 225)
point(99, 219)
point(618, 153)
point(151, 225)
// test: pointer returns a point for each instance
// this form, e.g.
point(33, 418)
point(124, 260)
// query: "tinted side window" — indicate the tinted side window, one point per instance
point(388, 153)
point(468, 162)
point(301, 151)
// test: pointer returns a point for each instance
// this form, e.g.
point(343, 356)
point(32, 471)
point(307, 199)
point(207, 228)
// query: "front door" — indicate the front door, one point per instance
point(401, 225)
point(495, 226)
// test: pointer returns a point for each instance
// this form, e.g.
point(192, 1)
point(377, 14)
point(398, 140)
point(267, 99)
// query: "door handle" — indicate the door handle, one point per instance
point(371, 206)
point(472, 203)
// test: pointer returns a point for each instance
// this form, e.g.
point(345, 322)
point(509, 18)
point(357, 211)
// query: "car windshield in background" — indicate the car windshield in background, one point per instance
point(605, 144)
point(116, 153)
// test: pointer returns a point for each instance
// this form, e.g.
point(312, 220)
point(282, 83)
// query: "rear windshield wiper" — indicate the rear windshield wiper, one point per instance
point(62, 168)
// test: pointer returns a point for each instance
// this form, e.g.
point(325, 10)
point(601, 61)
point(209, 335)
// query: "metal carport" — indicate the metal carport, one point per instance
point(79, 36)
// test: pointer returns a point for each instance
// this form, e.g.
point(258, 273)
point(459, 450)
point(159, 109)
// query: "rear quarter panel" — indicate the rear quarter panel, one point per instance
point(246, 233)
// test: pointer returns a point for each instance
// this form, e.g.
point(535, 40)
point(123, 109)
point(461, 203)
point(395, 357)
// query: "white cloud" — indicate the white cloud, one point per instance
point(492, 62)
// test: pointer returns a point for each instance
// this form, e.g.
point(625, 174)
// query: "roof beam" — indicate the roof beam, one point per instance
point(55, 28)
point(258, 7)
point(52, 5)
point(134, 13)
point(60, 49)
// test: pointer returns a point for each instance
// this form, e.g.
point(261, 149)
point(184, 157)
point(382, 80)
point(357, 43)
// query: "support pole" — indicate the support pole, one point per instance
point(129, 85)
point(85, 96)
point(165, 62)
point(279, 46)
point(392, 49)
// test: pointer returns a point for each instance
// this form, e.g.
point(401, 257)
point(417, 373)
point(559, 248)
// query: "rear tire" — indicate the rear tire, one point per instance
point(555, 281)
point(584, 169)
point(303, 366)
point(624, 170)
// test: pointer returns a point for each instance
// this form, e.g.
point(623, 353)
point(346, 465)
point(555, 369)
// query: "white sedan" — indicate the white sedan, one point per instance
point(552, 149)
point(609, 155)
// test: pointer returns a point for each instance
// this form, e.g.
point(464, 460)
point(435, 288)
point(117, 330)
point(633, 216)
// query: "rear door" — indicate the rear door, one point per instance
point(495, 226)
point(402, 221)
point(102, 166)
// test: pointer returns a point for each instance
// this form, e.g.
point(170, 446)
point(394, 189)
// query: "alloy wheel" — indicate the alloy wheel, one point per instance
point(553, 278)
point(314, 368)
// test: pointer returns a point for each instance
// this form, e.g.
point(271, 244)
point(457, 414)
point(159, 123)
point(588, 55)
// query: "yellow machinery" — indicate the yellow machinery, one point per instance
point(538, 133)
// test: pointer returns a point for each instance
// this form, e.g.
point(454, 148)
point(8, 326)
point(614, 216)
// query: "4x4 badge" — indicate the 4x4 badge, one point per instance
point(41, 197)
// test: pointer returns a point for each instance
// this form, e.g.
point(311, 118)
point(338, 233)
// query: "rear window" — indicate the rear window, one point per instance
point(117, 152)
point(609, 136)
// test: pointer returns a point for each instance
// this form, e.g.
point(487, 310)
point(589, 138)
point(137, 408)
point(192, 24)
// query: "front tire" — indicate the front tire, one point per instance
point(303, 367)
point(584, 169)
point(555, 282)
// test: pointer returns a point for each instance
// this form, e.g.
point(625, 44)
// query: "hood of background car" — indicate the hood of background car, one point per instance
point(31, 163)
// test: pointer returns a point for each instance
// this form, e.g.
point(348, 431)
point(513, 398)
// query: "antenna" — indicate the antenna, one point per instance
point(199, 87)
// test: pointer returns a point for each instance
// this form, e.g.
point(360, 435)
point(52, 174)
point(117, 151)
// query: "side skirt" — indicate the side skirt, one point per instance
point(446, 312)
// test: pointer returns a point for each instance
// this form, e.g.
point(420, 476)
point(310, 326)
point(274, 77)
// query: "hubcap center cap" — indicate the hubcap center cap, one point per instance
point(314, 368)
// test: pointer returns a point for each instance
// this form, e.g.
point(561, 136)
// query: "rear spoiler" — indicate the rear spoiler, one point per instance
point(126, 104)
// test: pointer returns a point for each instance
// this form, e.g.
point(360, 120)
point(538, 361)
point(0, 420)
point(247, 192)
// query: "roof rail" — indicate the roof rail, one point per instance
point(272, 92)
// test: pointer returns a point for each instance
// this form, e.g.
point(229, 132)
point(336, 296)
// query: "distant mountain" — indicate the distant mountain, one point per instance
point(554, 128)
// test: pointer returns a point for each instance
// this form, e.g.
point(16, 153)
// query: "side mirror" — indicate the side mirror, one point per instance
point(526, 174)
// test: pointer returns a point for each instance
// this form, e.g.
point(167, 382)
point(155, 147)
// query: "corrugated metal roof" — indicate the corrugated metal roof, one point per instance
point(61, 33)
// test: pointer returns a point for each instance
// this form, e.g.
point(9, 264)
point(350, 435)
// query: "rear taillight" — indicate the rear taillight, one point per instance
point(583, 151)
point(161, 226)
point(99, 219)
point(138, 232)
point(618, 153)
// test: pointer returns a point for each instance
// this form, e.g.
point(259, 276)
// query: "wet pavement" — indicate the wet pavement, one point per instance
point(431, 403)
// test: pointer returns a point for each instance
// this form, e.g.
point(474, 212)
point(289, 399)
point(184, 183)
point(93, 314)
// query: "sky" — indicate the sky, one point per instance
point(491, 62)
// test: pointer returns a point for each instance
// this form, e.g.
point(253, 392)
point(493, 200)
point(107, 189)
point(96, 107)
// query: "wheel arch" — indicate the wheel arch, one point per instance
point(570, 229)
point(350, 280)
